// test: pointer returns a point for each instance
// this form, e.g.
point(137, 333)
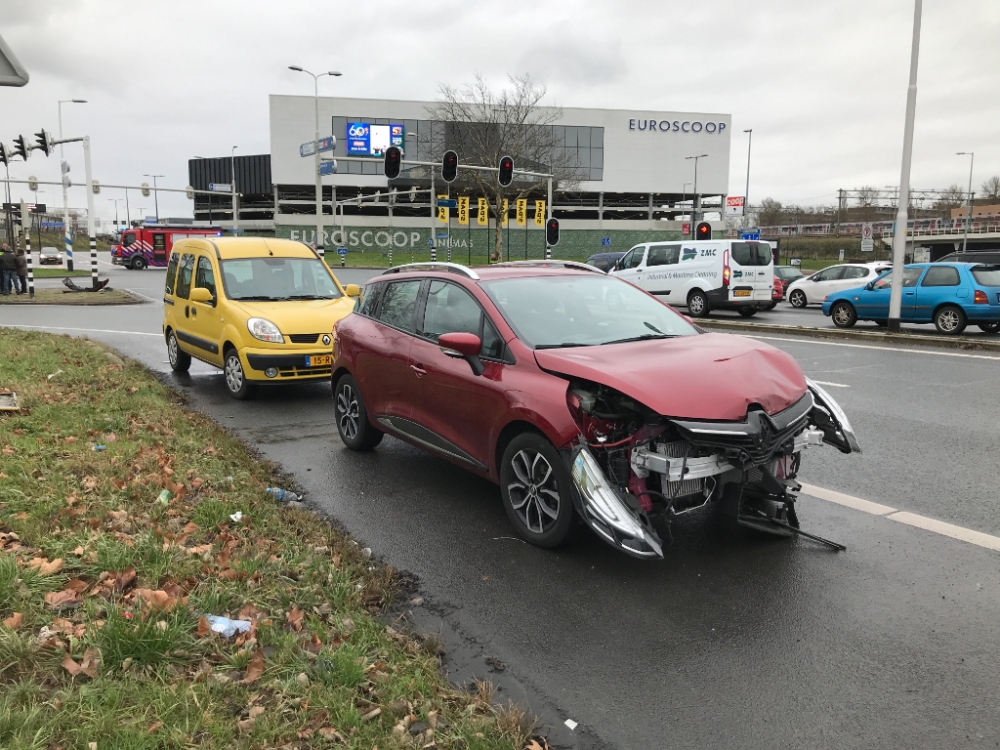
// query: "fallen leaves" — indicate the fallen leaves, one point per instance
point(158, 600)
point(255, 669)
point(60, 600)
point(44, 567)
point(88, 665)
point(295, 618)
point(14, 621)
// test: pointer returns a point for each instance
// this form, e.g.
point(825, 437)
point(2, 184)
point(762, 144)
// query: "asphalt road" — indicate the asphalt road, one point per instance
point(735, 640)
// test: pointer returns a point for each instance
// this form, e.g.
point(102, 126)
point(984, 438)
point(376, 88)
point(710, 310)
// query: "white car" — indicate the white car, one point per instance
point(812, 290)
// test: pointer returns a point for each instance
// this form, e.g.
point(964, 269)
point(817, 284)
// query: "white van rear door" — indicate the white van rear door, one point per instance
point(764, 280)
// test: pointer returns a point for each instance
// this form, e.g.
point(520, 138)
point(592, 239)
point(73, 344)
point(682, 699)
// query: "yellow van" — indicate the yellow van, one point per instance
point(259, 308)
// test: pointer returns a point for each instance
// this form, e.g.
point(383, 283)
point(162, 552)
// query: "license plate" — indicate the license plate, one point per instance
point(316, 360)
point(741, 293)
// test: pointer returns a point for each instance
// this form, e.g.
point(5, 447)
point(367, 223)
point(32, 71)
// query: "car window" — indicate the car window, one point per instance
point(787, 273)
point(663, 255)
point(369, 299)
point(204, 278)
point(743, 254)
point(128, 239)
point(184, 276)
point(941, 276)
point(399, 302)
point(829, 274)
point(764, 257)
point(910, 278)
point(987, 275)
point(451, 309)
point(168, 287)
point(854, 272)
point(274, 278)
point(636, 258)
point(159, 241)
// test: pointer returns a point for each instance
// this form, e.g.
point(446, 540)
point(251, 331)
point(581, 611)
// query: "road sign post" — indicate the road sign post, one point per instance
point(867, 239)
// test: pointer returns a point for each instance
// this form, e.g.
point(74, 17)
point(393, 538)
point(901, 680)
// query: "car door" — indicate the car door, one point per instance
point(939, 284)
point(453, 403)
point(852, 276)
point(384, 375)
point(821, 284)
point(764, 273)
point(189, 336)
point(206, 317)
point(631, 266)
point(659, 277)
point(159, 252)
point(873, 303)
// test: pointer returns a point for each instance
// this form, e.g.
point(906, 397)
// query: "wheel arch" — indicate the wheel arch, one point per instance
point(510, 431)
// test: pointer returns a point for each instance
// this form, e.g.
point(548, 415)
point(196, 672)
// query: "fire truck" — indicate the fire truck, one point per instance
point(141, 247)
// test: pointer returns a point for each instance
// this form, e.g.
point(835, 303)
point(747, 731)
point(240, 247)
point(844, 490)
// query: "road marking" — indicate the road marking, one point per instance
point(833, 385)
point(88, 330)
point(960, 533)
point(889, 348)
point(139, 294)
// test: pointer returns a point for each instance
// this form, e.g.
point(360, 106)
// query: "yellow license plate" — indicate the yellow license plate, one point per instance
point(741, 293)
point(317, 360)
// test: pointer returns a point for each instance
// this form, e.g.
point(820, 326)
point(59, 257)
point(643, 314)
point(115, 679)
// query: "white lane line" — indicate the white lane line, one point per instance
point(865, 506)
point(888, 348)
point(834, 385)
point(88, 330)
point(139, 294)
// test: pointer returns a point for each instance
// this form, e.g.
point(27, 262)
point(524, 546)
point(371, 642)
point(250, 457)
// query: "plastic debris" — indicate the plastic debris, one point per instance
point(283, 496)
point(225, 627)
point(367, 552)
point(100, 448)
point(57, 372)
point(164, 497)
point(571, 724)
point(236, 517)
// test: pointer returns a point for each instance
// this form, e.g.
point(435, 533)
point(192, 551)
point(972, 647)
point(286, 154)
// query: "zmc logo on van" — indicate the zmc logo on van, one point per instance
point(737, 274)
point(688, 253)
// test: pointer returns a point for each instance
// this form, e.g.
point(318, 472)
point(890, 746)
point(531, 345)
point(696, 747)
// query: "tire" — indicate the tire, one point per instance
point(697, 304)
point(771, 306)
point(180, 361)
point(747, 312)
point(355, 430)
point(536, 487)
point(950, 320)
point(236, 380)
point(843, 315)
point(798, 298)
point(989, 327)
point(138, 263)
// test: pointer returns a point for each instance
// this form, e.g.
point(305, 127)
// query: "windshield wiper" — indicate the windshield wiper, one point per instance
point(311, 296)
point(260, 298)
point(562, 345)
point(643, 337)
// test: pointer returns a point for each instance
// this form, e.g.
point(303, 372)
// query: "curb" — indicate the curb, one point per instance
point(871, 337)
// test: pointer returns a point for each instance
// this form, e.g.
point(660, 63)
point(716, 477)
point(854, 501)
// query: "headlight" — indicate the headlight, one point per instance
point(264, 330)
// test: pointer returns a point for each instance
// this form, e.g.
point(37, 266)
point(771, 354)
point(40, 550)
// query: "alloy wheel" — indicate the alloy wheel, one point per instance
point(348, 412)
point(948, 320)
point(696, 305)
point(534, 495)
point(234, 373)
point(172, 349)
point(797, 299)
point(842, 316)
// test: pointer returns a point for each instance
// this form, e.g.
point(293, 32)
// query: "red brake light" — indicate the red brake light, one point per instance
point(725, 268)
point(980, 298)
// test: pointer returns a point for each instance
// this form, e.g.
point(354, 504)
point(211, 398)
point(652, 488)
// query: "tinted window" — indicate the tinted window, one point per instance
point(941, 276)
point(278, 279)
point(663, 255)
point(369, 299)
point(743, 254)
point(128, 239)
point(910, 278)
point(829, 274)
point(987, 275)
point(168, 287)
point(184, 276)
point(634, 258)
point(787, 273)
point(205, 276)
point(854, 272)
point(764, 256)
point(399, 301)
point(450, 309)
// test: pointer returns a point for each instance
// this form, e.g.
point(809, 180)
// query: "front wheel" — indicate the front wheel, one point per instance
point(747, 312)
point(355, 430)
point(536, 488)
point(138, 263)
point(180, 361)
point(950, 320)
point(236, 380)
point(844, 315)
point(798, 298)
point(698, 304)
point(989, 327)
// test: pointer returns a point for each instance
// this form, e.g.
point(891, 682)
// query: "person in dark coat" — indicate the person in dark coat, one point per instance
point(22, 271)
point(8, 269)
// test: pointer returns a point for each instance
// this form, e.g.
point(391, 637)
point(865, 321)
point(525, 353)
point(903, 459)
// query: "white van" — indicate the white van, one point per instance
point(703, 275)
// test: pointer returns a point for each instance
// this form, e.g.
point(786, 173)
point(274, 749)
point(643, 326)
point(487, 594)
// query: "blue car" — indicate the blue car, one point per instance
point(949, 295)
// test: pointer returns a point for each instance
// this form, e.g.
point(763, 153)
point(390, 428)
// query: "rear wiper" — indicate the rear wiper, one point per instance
point(643, 337)
point(562, 345)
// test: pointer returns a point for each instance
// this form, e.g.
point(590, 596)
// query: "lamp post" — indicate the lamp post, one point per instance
point(968, 216)
point(696, 204)
point(319, 178)
point(156, 196)
point(67, 237)
point(746, 193)
point(232, 188)
point(116, 201)
point(684, 192)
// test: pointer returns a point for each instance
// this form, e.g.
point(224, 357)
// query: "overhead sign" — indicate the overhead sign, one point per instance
point(365, 139)
point(325, 144)
point(750, 234)
point(734, 205)
point(867, 238)
point(220, 187)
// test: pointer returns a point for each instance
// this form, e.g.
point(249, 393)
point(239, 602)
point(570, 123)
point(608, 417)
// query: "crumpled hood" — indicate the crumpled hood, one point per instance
point(709, 376)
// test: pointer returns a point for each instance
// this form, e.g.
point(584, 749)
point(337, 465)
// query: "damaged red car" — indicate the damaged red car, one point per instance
point(585, 398)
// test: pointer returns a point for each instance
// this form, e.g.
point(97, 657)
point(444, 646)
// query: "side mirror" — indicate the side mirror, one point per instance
point(869, 286)
point(352, 290)
point(201, 294)
point(463, 346)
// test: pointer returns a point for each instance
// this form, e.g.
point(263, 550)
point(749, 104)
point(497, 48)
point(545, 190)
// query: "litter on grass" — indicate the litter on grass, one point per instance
point(236, 517)
point(225, 627)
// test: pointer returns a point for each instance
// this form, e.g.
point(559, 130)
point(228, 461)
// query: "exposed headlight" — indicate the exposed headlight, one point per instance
point(264, 330)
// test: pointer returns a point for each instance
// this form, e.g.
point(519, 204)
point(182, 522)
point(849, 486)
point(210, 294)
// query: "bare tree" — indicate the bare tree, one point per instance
point(991, 188)
point(770, 212)
point(867, 196)
point(952, 197)
point(483, 125)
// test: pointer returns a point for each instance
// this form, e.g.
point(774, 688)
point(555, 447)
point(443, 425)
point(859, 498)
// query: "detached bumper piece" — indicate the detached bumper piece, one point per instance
point(606, 512)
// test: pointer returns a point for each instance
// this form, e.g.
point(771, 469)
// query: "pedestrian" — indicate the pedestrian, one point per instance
point(22, 271)
point(8, 269)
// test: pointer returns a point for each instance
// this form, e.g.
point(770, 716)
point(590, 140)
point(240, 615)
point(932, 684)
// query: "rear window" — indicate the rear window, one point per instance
point(941, 276)
point(751, 254)
point(987, 275)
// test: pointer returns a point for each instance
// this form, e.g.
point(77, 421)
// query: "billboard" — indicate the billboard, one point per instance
point(365, 139)
point(734, 205)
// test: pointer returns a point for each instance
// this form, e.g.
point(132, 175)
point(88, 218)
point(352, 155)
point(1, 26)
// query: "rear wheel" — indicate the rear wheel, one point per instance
point(698, 304)
point(236, 380)
point(797, 298)
point(844, 315)
point(989, 327)
point(748, 312)
point(179, 361)
point(536, 488)
point(352, 416)
point(771, 306)
point(138, 263)
point(950, 320)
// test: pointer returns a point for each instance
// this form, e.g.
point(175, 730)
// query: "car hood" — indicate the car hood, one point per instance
point(713, 376)
point(299, 316)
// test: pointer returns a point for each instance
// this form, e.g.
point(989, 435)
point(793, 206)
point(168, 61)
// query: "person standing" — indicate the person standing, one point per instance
point(22, 272)
point(8, 269)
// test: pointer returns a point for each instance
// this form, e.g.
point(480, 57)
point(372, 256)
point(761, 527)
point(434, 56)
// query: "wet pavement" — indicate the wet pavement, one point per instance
point(736, 639)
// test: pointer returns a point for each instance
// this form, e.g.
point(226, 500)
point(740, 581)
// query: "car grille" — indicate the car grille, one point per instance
point(306, 372)
point(304, 338)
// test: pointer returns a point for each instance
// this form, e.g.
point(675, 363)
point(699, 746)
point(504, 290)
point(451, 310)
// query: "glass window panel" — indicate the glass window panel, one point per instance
point(583, 137)
point(583, 157)
point(597, 174)
point(558, 134)
point(570, 139)
point(597, 137)
point(941, 276)
point(450, 309)
point(597, 157)
point(184, 277)
point(205, 276)
point(399, 300)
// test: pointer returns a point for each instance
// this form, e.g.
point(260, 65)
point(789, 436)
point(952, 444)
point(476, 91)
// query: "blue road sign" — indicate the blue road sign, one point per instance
point(447, 203)
point(221, 187)
point(751, 235)
point(605, 242)
point(328, 167)
point(341, 251)
point(325, 144)
point(441, 235)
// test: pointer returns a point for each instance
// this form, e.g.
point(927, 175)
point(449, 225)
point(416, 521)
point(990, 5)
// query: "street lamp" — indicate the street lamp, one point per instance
point(67, 238)
point(746, 193)
point(156, 196)
point(319, 177)
point(684, 192)
point(968, 216)
point(116, 201)
point(232, 188)
point(696, 204)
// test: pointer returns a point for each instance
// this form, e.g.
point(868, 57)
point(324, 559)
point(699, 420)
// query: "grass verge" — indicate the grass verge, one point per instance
point(125, 520)
point(65, 297)
point(58, 273)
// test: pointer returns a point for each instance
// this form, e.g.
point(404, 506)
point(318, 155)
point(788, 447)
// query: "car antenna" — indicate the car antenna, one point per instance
point(269, 251)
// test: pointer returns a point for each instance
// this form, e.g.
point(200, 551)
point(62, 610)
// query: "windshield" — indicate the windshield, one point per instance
point(128, 239)
point(910, 278)
point(561, 311)
point(278, 279)
point(787, 273)
point(987, 275)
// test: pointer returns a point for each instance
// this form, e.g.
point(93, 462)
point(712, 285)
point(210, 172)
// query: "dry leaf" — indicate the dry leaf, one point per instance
point(71, 666)
point(156, 725)
point(61, 599)
point(371, 714)
point(111, 438)
point(204, 629)
point(44, 567)
point(77, 585)
point(14, 621)
point(256, 711)
point(255, 668)
point(330, 734)
point(91, 660)
point(295, 618)
point(160, 600)
point(245, 726)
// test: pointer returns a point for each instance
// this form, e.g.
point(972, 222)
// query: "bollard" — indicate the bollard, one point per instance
point(93, 260)
point(343, 261)
point(434, 253)
point(31, 268)
point(548, 252)
point(68, 240)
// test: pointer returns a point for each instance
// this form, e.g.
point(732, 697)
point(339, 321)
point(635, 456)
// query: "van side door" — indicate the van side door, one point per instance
point(631, 266)
point(661, 272)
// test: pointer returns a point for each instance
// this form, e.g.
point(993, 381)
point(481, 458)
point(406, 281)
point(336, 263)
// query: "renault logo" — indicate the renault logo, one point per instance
point(326, 339)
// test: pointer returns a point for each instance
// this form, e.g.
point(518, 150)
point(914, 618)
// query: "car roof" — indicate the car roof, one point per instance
point(253, 247)
point(490, 273)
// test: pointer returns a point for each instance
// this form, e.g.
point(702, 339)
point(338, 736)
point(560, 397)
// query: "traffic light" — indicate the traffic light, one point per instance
point(4, 155)
point(20, 148)
point(505, 175)
point(44, 142)
point(703, 231)
point(552, 232)
point(449, 166)
point(144, 189)
point(393, 161)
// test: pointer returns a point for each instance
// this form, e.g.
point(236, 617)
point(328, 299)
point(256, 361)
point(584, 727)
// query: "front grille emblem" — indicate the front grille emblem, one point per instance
point(326, 339)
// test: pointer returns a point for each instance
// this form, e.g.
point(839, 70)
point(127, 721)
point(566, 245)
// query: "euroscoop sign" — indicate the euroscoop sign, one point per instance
point(677, 126)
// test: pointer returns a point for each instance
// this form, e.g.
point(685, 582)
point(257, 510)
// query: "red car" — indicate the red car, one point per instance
point(582, 395)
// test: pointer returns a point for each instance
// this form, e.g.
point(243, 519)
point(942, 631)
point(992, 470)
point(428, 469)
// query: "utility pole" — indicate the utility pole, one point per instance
point(156, 195)
point(91, 229)
point(746, 193)
point(236, 206)
point(64, 167)
point(968, 216)
point(696, 203)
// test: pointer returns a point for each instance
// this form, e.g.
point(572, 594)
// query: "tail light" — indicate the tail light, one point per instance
point(726, 273)
point(980, 298)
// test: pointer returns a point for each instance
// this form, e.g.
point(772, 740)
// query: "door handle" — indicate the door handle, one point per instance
point(418, 370)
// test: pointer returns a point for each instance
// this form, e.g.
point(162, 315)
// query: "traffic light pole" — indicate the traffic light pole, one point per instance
point(91, 227)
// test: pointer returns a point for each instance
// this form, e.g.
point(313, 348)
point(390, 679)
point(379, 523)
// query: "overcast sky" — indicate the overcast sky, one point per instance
point(823, 85)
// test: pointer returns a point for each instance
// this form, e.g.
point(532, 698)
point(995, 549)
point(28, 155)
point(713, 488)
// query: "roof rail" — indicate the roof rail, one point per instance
point(543, 263)
point(452, 267)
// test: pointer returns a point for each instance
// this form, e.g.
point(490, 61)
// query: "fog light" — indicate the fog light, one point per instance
point(271, 372)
